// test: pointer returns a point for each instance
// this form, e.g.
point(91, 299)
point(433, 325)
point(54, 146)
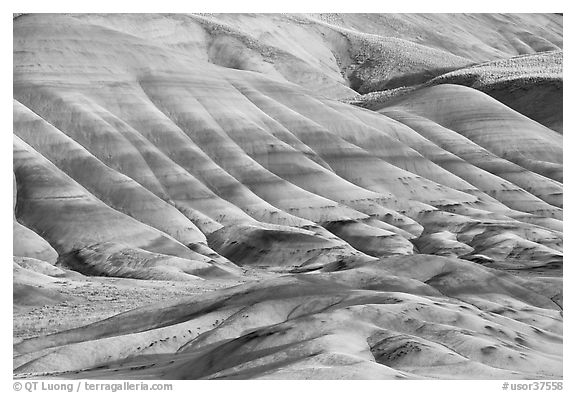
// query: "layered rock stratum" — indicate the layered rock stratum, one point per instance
point(288, 196)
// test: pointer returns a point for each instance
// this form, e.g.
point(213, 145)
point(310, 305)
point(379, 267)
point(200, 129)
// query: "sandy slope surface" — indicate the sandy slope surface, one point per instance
point(194, 197)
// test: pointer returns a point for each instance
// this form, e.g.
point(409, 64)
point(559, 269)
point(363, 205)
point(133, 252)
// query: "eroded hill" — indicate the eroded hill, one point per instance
point(419, 239)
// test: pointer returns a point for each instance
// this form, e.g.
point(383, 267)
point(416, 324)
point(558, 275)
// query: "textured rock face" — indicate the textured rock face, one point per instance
point(198, 147)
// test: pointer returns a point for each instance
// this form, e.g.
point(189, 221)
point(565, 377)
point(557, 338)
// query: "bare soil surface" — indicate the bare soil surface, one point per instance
point(91, 299)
